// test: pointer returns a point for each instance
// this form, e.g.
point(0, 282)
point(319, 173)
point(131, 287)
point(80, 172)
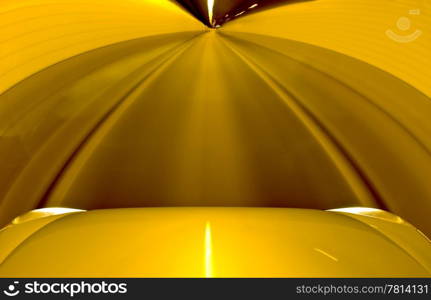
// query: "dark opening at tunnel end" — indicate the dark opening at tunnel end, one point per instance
point(214, 13)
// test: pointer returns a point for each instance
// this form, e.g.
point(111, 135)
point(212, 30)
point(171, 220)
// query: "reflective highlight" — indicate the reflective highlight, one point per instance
point(214, 242)
point(132, 106)
point(208, 251)
point(273, 109)
point(326, 254)
point(43, 213)
point(210, 5)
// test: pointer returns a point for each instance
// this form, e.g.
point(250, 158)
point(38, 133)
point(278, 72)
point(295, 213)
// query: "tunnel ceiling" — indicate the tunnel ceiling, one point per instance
point(107, 104)
point(227, 10)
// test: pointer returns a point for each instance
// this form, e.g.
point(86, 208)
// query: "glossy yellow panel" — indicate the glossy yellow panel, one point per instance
point(118, 104)
point(383, 131)
point(35, 34)
point(208, 138)
point(41, 127)
point(406, 236)
point(215, 242)
point(216, 118)
point(12, 236)
point(358, 28)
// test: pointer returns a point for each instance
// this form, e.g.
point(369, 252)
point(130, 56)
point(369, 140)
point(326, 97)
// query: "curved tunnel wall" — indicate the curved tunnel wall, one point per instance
point(136, 103)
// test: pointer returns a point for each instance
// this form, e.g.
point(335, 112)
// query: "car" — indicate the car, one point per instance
point(213, 242)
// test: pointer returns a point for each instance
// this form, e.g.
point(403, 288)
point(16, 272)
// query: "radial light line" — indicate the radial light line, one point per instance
point(332, 149)
point(208, 251)
point(84, 150)
point(326, 254)
point(210, 4)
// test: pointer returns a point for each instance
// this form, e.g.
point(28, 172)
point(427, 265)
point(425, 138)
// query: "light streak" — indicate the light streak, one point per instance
point(326, 254)
point(208, 251)
point(210, 4)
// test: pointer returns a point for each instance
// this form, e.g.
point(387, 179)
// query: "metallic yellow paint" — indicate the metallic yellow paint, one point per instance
point(357, 28)
point(133, 103)
point(254, 121)
point(35, 34)
point(218, 242)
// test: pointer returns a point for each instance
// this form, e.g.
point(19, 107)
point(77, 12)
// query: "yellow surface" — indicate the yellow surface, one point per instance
point(35, 34)
point(219, 242)
point(107, 104)
point(356, 28)
point(216, 118)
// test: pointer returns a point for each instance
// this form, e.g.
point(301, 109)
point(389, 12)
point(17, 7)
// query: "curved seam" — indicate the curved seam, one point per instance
point(71, 83)
point(106, 117)
point(347, 161)
point(29, 237)
point(76, 34)
point(386, 237)
point(94, 50)
point(321, 48)
point(378, 107)
point(3, 201)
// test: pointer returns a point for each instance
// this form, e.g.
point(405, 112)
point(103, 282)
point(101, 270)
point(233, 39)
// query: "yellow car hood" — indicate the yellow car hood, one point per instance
point(213, 242)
